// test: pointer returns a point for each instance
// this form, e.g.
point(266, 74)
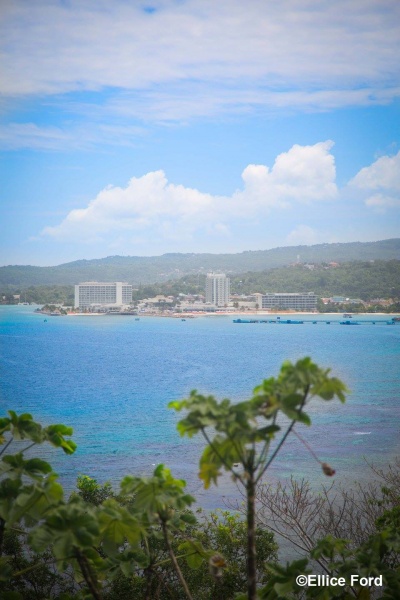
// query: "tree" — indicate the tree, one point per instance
point(28, 490)
point(243, 442)
point(227, 532)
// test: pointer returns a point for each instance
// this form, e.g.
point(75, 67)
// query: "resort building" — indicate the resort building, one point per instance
point(294, 301)
point(218, 288)
point(92, 293)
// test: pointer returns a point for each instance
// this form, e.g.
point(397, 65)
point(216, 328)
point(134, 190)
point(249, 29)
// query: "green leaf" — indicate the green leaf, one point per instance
point(23, 427)
point(158, 495)
point(116, 526)
point(195, 554)
point(55, 435)
point(65, 527)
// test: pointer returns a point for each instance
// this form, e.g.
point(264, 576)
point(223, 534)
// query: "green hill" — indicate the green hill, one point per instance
point(145, 270)
point(366, 280)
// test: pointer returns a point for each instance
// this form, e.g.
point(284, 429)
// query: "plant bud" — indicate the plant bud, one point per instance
point(216, 564)
point(327, 469)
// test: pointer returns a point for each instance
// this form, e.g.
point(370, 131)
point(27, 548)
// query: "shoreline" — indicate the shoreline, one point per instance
point(236, 314)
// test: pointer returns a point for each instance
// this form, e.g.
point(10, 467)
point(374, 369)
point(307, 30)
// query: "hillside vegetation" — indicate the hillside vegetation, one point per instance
point(364, 280)
point(358, 279)
point(143, 270)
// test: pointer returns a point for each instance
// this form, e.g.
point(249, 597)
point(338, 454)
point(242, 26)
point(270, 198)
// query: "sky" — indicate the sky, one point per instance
point(141, 128)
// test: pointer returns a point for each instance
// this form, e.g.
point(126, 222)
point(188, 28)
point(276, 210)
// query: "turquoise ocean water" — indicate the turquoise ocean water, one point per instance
point(111, 378)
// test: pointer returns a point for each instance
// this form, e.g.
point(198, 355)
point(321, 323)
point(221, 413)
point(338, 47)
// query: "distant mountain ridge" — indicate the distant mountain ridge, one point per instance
point(152, 269)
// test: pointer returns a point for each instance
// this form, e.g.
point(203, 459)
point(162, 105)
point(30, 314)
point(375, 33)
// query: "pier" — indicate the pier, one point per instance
point(280, 321)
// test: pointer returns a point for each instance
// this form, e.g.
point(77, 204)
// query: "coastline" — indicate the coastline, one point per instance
point(236, 314)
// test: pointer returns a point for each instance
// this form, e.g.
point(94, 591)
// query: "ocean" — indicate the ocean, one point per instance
point(111, 378)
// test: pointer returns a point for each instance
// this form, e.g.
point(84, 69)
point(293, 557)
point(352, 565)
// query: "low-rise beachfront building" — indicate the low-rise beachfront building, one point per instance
point(343, 300)
point(285, 301)
point(158, 300)
point(95, 293)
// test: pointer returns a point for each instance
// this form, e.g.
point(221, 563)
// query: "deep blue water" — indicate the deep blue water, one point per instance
point(111, 378)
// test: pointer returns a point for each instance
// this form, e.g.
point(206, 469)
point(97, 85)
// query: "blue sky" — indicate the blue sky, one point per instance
point(139, 128)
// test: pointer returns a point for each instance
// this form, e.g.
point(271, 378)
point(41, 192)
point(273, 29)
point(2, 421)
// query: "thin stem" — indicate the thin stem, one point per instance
point(263, 454)
point(88, 575)
point(23, 571)
point(147, 573)
point(6, 446)
point(275, 452)
point(289, 429)
point(265, 450)
point(20, 531)
point(165, 583)
point(27, 448)
point(251, 539)
point(167, 560)
point(311, 451)
point(174, 561)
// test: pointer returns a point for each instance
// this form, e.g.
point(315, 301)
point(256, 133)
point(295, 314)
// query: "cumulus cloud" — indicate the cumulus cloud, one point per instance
point(227, 54)
point(303, 175)
point(381, 182)
point(383, 173)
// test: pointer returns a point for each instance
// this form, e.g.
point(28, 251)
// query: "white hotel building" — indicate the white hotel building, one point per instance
point(218, 289)
point(92, 293)
point(285, 301)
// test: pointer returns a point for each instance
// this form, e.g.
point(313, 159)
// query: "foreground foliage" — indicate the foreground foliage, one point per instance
point(144, 541)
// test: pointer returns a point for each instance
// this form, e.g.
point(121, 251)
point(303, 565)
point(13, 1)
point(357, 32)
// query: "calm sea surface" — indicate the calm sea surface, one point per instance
point(111, 378)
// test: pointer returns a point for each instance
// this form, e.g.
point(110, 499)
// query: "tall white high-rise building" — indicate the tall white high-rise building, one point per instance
point(218, 289)
point(93, 292)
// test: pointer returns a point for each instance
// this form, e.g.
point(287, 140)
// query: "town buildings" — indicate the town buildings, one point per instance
point(100, 296)
point(94, 293)
point(217, 289)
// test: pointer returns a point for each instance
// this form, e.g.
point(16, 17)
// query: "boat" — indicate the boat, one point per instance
point(347, 316)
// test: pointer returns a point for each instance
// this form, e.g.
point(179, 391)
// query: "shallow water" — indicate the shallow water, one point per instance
point(112, 377)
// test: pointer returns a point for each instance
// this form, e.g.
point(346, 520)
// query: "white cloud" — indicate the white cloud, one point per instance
point(302, 235)
point(189, 58)
point(384, 173)
point(383, 179)
point(380, 201)
point(29, 135)
point(302, 175)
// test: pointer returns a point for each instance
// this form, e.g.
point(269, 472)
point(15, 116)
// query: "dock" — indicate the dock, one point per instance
point(279, 321)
